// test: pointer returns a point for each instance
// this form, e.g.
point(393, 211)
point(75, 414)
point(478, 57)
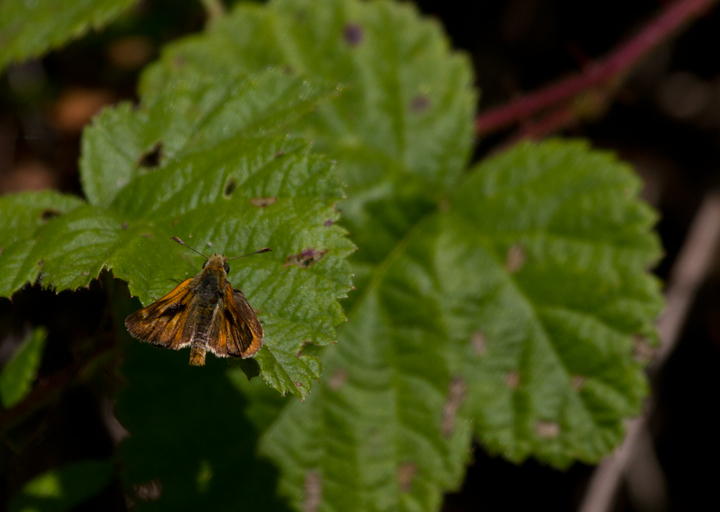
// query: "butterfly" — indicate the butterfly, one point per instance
point(203, 312)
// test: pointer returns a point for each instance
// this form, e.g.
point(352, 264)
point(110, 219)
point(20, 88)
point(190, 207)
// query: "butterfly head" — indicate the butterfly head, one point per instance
point(217, 262)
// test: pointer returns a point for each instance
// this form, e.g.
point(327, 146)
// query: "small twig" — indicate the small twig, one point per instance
point(607, 73)
point(215, 10)
point(691, 267)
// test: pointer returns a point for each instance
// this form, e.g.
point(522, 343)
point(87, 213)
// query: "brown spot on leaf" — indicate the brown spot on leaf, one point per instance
point(229, 188)
point(353, 34)
point(305, 259)
point(299, 384)
point(512, 380)
point(515, 258)
point(85, 274)
point(478, 343)
point(174, 223)
point(148, 235)
point(41, 263)
point(419, 103)
point(547, 429)
point(577, 382)
point(405, 474)
point(643, 352)
point(151, 159)
point(329, 223)
point(125, 226)
point(279, 154)
point(456, 394)
point(313, 491)
point(49, 213)
point(338, 378)
point(263, 202)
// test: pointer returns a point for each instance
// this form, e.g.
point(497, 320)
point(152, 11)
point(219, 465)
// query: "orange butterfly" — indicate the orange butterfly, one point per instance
point(204, 312)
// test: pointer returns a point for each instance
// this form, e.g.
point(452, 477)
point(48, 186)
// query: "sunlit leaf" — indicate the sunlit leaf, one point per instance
point(223, 184)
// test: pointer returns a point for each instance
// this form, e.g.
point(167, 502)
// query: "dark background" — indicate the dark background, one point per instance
point(665, 120)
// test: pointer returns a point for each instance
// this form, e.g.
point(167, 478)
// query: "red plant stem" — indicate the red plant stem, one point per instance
point(602, 72)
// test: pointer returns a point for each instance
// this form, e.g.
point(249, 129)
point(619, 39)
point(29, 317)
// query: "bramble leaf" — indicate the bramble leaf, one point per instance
point(223, 184)
point(29, 29)
point(508, 299)
point(21, 370)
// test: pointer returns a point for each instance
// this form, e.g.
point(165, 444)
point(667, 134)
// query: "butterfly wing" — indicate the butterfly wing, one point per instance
point(236, 330)
point(166, 322)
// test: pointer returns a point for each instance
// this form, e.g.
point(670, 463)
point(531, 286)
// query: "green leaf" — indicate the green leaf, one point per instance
point(189, 116)
point(545, 288)
point(27, 211)
point(29, 29)
point(515, 307)
point(21, 370)
point(401, 131)
point(225, 185)
point(508, 300)
point(62, 489)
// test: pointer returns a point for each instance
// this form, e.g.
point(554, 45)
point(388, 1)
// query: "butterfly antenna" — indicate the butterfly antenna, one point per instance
point(186, 245)
point(256, 252)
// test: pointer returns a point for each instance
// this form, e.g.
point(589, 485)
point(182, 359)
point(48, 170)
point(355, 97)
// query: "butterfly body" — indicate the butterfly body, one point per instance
point(203, 312)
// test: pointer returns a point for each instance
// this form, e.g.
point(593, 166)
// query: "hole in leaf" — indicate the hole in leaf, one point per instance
point(419, 103)
point(305, 259)
point(263, 202)
point(353, 34)
point(49, 213)
point(151, 159)
point(229, 188)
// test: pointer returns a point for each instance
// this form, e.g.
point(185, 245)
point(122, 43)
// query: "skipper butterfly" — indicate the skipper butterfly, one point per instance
point(203, 312)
